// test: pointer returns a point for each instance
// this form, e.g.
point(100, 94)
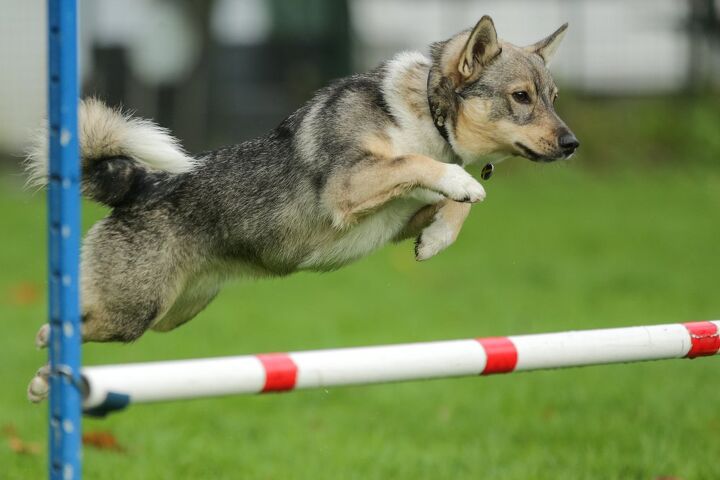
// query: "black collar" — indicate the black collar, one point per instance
point(439, 118)
point(437, 113)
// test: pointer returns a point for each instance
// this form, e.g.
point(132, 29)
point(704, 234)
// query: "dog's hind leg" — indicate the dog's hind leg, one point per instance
point(198, 291)
point(106, 322)
point(127, 287)
point(442, 231)
point(434, 227)
point(418, 222)
point(128, 280)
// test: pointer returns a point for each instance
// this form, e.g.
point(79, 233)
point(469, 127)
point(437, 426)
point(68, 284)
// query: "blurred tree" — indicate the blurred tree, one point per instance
point(255, 85)
point(704, 29)
point(311, 39)
point(190, 120)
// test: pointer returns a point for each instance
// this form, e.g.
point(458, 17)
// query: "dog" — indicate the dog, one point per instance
point(373, 158)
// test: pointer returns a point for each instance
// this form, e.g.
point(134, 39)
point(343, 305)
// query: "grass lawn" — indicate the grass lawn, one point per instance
point(552, 248)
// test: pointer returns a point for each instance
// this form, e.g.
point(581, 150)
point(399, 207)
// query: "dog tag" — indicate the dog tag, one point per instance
point(487, 171)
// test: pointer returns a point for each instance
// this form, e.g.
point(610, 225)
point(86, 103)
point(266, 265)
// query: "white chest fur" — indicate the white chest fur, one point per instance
point(404, 90)
point(370, 234)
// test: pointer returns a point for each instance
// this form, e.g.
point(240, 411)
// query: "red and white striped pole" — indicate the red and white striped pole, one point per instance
point(114, 386)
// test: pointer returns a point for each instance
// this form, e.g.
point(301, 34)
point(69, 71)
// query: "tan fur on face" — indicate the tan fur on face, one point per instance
point(479, 126)
point(539, 136)
point(475, 135)
point(474, 132)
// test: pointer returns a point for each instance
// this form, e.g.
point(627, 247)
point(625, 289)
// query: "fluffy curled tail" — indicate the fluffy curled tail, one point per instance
point(119, 154)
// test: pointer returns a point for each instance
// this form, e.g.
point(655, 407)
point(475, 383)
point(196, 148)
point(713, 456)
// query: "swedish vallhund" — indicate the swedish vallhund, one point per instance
point(372, 158)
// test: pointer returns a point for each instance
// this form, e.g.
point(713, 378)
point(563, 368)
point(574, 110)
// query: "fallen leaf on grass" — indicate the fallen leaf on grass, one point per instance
point(24, 293)
point(102, 440)
point(17, 444)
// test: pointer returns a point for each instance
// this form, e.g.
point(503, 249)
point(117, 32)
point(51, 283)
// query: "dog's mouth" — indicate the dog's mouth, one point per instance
point(532, 155)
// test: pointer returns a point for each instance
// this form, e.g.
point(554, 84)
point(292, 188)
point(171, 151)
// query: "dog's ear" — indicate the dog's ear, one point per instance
point(547, 46)
point(481, 47)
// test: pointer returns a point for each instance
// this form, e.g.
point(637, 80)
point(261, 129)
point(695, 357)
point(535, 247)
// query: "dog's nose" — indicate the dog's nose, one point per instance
point(568, 143)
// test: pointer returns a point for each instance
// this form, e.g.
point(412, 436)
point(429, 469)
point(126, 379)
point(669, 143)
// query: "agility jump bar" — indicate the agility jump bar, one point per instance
point(113, 387)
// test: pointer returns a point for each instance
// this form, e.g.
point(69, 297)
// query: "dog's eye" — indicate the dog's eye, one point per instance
point(521, 96)
point(555, 97)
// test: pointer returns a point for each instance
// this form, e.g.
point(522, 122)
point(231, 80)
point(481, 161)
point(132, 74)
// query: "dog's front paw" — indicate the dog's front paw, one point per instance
point(39, 386)
point(459, 185)
point(433, 240)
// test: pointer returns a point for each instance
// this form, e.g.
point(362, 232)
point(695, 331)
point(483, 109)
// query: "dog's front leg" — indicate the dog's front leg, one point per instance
point(443, 229)
point(375, 181)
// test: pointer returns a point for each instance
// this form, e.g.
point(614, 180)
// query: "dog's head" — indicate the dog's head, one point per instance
point(493, 97)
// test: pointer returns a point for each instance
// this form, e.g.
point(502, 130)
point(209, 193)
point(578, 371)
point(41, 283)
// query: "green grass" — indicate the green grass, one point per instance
point(670, 130)
point(552, 248)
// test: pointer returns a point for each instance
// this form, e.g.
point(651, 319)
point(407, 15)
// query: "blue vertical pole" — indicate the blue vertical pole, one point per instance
point(64, 240)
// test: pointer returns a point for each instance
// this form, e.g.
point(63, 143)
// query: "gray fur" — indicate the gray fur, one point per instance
point(500, 73)
point(250, 209)
point(260, 208)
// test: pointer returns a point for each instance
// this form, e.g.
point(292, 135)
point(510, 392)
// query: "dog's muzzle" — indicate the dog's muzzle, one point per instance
point(567, 144)
point(531, 154)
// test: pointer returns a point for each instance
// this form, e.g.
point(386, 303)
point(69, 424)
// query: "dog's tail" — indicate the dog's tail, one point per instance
point(119, 154)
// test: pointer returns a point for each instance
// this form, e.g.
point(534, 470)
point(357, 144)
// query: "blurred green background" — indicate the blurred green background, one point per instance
point(626, 233)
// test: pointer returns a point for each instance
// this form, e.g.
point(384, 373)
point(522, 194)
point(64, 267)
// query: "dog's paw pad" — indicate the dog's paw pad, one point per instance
point(42, 338)
point(424, 252)
point(460, 186)
point(39, 386)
